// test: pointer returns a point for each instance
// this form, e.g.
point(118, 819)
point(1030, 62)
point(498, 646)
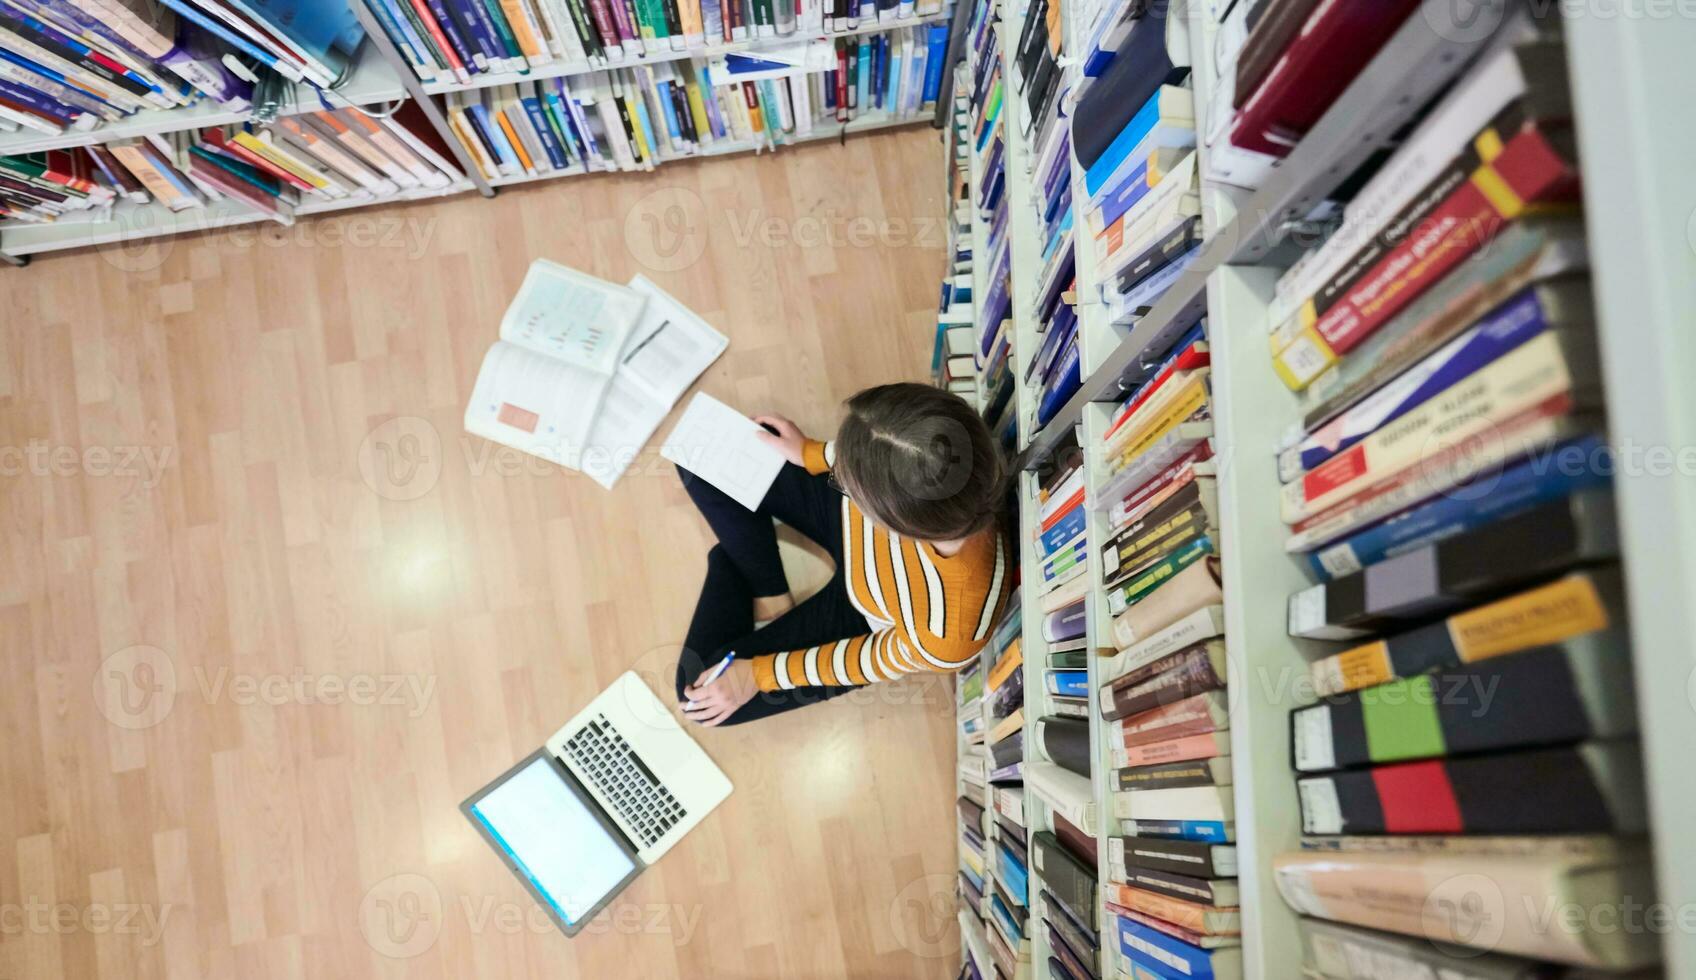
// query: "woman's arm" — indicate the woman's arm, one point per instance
point(812, 455)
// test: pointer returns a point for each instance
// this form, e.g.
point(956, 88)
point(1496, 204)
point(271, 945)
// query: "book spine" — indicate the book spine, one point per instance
point(1540, 479)
point(1527, 171)
point(1547, 368)
point(1580, 603)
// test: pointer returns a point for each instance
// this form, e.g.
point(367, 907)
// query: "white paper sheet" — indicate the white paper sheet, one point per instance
point(718, 444)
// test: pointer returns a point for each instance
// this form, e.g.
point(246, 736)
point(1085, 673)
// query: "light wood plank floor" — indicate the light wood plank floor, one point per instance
point(267, 615)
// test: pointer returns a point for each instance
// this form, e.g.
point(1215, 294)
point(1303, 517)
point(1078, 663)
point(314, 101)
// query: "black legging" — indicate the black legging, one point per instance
point(744, 564)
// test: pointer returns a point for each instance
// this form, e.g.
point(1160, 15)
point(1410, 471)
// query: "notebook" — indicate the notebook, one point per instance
point(718, 444)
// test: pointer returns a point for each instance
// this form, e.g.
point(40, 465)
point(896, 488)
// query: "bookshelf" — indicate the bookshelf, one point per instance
point(380, 77)
point(1639, 202)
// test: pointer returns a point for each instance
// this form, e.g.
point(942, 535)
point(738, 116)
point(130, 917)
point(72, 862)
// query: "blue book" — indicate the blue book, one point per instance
point(565, 128)
point(1504, 328)
point(494, 136)
point(1123, 195)
point(1130, 143)
point(482, 23)
point(1004, 919)
point(544, 132)
point(1064, 530)
point(865, 55)
point(1206, 831)
point(462, 45)
point(327, 30)
point(1550, 474)
point(63, 114)
point(936, 49)
point(400, 30)
point(670, 111)
point(216, 28)
point(479, 44)
point(1063, 385)
point(1069, 683)
point(1165, 954)
point(1013, 875)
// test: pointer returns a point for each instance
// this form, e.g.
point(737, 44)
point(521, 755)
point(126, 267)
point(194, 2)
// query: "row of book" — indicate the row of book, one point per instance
point(635, 118)
point(76, 65)
point(953, 368)
point(1473, 742)
point(993, 348)
point(329, 155)
point(460, 40)
point(1164, 699)
point(1137, 122)
point(1055, 368)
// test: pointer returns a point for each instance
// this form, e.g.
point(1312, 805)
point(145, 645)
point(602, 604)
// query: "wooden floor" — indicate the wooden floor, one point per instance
point(267, 614)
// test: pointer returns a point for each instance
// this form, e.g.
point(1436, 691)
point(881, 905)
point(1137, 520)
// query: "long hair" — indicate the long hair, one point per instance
point(921, 462)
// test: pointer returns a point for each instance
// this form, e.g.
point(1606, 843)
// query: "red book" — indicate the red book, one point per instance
point(1335, 43)
point(215, 140)
point(1526, 171)
point(1189, 359)
point(422, 9)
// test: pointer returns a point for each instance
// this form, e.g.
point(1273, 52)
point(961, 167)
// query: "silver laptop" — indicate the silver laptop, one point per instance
point(609, 793)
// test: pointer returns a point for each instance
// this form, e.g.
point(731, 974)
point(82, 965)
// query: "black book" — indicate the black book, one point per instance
point(1196, 859)
point(1066, 741)
point(1060, 920)
point(971, 811)
point(584, 24)
point(1449, 574)
point(1589, 788)
point(1009, 750)
point(1158, 256)
point(1137, 71)
point(1077, 962)
point(1565, 692)
point(1067, 878)
point(673, 20)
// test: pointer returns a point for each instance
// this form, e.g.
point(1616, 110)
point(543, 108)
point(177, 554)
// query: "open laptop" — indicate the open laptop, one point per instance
point(603, 799)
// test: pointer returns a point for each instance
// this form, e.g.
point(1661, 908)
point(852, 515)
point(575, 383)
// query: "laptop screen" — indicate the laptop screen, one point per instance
point(554, 838)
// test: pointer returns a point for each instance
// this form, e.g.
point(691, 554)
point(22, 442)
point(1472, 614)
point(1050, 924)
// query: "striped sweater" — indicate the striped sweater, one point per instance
point(924, 611)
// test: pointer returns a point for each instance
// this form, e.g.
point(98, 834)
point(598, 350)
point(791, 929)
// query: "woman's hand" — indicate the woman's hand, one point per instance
point(717, 701)
point(789, 438)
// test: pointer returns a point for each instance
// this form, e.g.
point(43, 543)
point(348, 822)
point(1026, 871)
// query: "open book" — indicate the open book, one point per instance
point(586, 370)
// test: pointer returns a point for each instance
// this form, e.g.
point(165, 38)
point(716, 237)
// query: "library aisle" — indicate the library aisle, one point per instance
point(270, 484)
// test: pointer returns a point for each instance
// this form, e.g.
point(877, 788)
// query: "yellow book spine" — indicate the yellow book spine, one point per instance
point(698, 109)
point(281, 159)
point(1191, 399)
point(1005, 666)
point(519, 20)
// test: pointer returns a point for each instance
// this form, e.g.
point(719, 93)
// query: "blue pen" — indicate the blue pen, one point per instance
point(716, 673)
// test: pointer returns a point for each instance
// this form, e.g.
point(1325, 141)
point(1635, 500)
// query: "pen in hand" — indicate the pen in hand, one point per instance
point(713, 675)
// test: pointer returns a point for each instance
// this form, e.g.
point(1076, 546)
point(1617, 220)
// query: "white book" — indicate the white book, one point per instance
point(543, 381)
point(720, 445)
point(669, 349)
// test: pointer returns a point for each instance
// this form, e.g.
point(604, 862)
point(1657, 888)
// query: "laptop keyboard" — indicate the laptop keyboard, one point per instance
point(645, 806)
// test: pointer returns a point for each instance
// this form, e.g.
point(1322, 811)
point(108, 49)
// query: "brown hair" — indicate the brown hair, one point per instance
point(920, 461)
